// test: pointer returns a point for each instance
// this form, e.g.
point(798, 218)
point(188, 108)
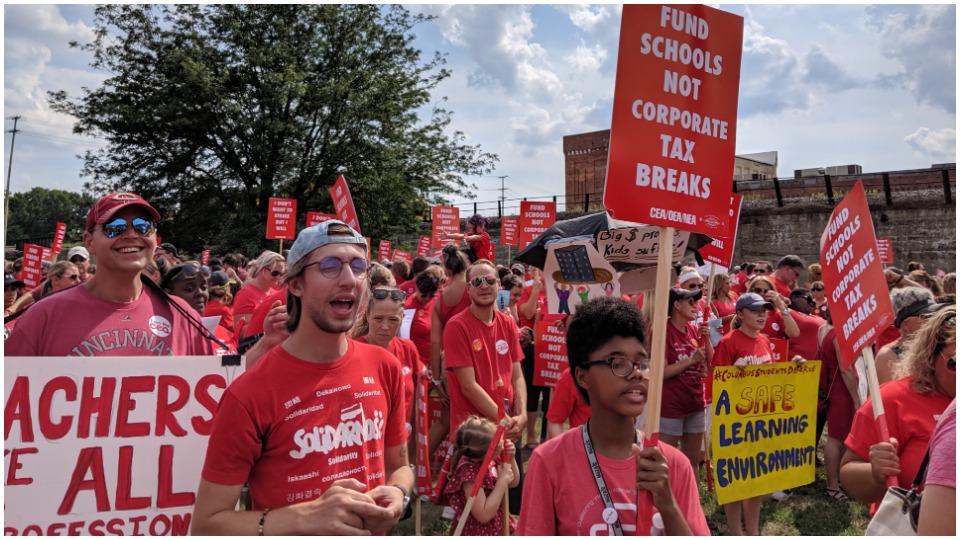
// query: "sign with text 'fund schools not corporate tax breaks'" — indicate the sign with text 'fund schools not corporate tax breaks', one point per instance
point(673, 134)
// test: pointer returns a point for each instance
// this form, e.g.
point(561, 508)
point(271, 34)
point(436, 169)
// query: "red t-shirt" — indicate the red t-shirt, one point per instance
point(725, 309)
point(482, 247)
point(447, 312)
point(774, 327)
point(889, 335)
point(255, 325)
point(247, 299)
point(491, 350)
point(214, 308)
point(781, 287)
point(74, 322)
point(420, 326)
point(910, 420)
point(683, 394)
point(567, 403)
point(406, 352)
point(702, 312)
point(292, 428)
point(560, 495)
point(541, 305)
point(409, 287)
point(737, 345)
point(806, 344)
point(738, 282)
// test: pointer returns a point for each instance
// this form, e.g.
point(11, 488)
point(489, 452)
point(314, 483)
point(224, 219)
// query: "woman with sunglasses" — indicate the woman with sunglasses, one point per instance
point(926, 383)
point(911, 306)
point(779, 323)
point(691, 280)
point(61, 275)
point(379, 326)
point(267, 273)
point(819, 294)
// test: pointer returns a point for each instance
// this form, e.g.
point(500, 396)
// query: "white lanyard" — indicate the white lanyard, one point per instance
point(610, 515)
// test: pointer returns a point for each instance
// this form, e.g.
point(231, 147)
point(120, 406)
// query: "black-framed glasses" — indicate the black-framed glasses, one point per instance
point(330, 267)
point(142, 226)
point(478, 281)
point(394, 294)
point(761, 291)
point(621, 366)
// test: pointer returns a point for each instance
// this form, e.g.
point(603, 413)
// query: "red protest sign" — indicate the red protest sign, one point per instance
point(673, 134)
point(446, 219)
point(402, 255)
point(778, 349)
point(282, 219)
point(853, 275)
point(885, 248)
point(535, 217)
point(437, 252)
point(343, 203)
point(59, 236)
point(383, 252)
point(205, 257)
point(423, 247)
point(32, 260)
point(508, 231)
point(550, 354)
point(720, 251)
point(314, 218)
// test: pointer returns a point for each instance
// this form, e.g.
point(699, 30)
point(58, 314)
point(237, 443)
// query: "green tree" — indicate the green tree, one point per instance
point(35, 213)
point(211, 110)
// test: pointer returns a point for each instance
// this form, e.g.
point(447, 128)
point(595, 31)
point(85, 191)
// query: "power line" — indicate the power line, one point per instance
point(6, 199)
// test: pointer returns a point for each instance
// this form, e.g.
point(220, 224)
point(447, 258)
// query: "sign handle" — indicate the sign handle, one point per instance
point(706, 459)
point(508, 254)
point(709, 292)
point(416, 463)
point(873, 385)
point(651, 431)
point(281, 247)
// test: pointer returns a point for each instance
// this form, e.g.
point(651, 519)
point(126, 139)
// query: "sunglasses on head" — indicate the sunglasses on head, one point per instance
point(395, 294)
point(142, 226)
point(478, 281)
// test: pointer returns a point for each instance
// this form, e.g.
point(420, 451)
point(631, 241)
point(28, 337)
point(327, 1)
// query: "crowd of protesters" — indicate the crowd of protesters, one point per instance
point(321, 319)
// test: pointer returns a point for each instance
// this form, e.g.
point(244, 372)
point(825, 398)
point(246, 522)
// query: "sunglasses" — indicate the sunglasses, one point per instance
point(142, 226)
point(761, 291)
point(695, 286)
point(817, 289)
point(73, 277)
point(330, 267)
point(478, 281)
point(395, 294)
point(275, 273)
point(759, 271)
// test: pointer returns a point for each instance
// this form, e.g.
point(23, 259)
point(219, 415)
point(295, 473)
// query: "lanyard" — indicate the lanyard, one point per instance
point(610, 515)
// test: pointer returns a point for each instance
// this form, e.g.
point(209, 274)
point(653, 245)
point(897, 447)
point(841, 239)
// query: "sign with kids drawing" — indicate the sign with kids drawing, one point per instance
point(573, 273)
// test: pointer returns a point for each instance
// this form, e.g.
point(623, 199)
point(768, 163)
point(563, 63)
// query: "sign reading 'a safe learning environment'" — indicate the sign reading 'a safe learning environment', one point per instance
point(673, 134)
point(764, 428)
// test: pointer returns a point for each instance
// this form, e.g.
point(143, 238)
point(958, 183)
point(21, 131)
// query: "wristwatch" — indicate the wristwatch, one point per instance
point(407, 508)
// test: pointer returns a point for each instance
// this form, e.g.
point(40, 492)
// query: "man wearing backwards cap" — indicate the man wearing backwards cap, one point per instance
point(113, 313)
point(316, 426)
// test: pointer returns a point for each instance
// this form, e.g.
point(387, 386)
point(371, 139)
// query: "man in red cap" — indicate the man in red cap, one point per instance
point(113, 313)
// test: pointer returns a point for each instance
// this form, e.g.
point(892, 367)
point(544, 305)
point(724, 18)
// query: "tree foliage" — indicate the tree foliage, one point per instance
point(35, 214)
point(211, 110)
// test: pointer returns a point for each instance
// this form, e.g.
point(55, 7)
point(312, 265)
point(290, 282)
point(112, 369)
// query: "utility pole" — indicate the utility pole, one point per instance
point(503, 195)
point(6, 194)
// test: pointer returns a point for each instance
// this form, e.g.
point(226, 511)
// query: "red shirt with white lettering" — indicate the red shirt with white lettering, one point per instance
point(292, 428)
point(774, 326)
point(737, 345)
point(567, 403)
point(406, 352)
point(490, 349)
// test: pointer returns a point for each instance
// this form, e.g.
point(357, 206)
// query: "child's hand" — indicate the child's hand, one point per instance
point(505, 473)
point(511, 450)
point(799, 360)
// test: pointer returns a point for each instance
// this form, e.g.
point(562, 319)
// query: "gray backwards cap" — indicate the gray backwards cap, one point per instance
point(316, 236)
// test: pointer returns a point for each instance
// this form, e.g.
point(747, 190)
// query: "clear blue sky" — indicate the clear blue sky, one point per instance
point(821, 84)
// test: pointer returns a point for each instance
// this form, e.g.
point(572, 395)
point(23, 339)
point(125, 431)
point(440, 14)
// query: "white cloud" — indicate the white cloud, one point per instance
point(586, 59)
point(938, 146)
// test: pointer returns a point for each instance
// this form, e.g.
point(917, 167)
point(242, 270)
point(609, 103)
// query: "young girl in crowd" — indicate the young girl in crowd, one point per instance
point(473, 439)
point(606, 346)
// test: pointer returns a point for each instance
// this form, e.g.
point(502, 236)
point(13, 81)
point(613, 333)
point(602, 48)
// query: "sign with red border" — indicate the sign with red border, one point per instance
point(535, 218)
point(343, 203)
point(282, 219)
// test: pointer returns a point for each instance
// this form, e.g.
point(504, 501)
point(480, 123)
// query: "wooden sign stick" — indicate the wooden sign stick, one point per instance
point(281, 247)
point(651, 428)
point(416, 464)
point(873, 385)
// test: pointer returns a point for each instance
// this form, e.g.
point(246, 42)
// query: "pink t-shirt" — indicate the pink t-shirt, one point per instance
point(490, 349)
point(74, 322)
point(942, 470)
point(682, 394)
point(292, 428)
point(567, 403)
point(560, 495)
point(247, 299)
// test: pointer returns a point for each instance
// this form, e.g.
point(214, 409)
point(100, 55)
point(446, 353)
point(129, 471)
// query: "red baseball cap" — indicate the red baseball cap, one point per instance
point(108, 205)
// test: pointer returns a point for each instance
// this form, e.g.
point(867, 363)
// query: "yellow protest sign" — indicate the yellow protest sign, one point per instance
point(764, 426)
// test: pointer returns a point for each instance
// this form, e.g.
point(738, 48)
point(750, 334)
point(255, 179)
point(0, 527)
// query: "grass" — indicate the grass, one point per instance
point(808, 512)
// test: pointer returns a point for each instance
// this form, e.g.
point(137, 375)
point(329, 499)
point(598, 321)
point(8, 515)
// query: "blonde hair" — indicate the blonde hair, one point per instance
point(362, 326)
point(265, 260)
point(380, 276)
point(57, 269)
point(473, 440)
point(753, 282)
point(718, 281)
point(920, 359)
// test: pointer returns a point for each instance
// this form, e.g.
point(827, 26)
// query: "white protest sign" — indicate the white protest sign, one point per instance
point(107, 445)
point(638, 245)
point(573, 273)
